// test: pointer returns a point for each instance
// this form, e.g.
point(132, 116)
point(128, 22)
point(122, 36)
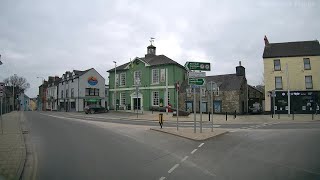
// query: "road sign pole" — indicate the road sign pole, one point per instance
point(200, 97)
point(194, 110)
point(211, 106)
point(177, 109)
point(1, 117)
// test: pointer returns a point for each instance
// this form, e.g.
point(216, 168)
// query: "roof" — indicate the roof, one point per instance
point(292, 49)
point(225, 82)
point(152, 60)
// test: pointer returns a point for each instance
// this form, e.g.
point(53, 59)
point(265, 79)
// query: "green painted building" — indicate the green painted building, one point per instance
point(149, 74)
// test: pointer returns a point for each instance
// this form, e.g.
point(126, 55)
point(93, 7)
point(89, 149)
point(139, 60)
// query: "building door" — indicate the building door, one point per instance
point(217, 106)
point(137, 103)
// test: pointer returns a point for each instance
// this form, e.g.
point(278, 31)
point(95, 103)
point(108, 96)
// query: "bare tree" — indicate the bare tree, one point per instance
point(18, 82)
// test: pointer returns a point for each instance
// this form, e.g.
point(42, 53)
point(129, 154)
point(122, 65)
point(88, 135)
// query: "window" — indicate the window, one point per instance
point(67, 93)
point(203, 92)
point(122, 98)
point(122, 79)
point(278, 81)
point(188, 91)
point(155, 98)
point(277, 65)
point(61, 93)
point(137, 76)
point(306, 62)
point(96, 92)
point(308, 80)
point(72, 92)
point(87, 91)
point(155, 76)
point(92, 92)
point(216, 92)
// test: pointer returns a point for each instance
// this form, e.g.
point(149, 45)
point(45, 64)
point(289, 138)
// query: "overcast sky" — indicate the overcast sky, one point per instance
point(42, 38)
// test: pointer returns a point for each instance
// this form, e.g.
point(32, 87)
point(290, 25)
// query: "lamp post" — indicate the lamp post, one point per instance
point(115, 84)
point(39, 77)
point(14, 98)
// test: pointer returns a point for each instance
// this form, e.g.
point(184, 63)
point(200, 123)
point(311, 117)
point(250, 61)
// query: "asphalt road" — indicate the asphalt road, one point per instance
point(71, 148)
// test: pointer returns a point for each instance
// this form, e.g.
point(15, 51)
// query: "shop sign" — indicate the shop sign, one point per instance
point(92, 81)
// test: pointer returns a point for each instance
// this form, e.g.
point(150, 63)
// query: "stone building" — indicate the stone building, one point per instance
point(230, 95)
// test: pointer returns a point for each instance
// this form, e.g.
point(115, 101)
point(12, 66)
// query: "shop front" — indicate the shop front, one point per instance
point(301, 102)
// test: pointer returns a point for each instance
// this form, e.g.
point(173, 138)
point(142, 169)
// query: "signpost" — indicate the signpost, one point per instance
point(193, 74)
point(198, 66)
point(197, 81)
point(212, 86)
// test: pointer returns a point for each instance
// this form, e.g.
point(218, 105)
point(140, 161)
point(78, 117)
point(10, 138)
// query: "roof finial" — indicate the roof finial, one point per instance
point(152, 40)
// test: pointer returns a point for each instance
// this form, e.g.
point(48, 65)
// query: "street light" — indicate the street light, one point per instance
point(115, 84)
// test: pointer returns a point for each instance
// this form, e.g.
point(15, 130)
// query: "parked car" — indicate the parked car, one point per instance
point(256, 108)
point(94, 108)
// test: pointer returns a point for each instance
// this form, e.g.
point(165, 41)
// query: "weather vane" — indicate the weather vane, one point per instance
point(152, 40)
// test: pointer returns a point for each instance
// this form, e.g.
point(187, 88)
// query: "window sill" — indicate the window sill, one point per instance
point(154, 84)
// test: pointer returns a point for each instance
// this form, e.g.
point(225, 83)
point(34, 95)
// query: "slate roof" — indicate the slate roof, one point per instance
point(225, 82)
point(152, 60)
point(292, 49)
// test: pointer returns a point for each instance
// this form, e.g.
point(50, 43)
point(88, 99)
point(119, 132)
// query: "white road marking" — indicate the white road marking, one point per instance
point(201, 144)
point(162, 178)
point(173, 168)
point(194, 151)
point(185, 158)
point(233, 131)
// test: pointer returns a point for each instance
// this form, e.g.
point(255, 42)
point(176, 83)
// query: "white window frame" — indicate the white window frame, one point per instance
point(275, 80)
point(155, 76)
point(122, 79)
point(123, 98)
point(136, 75)
point(154, 99)
point(306, 66)
point(309, 85)
point(274, 65)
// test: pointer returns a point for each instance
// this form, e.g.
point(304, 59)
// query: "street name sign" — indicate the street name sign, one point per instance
point(198, 66)
point(193, 74)
point(197, 81)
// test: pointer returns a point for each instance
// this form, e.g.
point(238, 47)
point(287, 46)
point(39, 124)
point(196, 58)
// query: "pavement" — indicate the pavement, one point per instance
point(217, 118)
point(231, 119)
point(78, 147)
point(12, 147)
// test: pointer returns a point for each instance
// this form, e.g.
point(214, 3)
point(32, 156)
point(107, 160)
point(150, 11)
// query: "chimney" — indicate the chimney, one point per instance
point(266, 41)
point(240, 70)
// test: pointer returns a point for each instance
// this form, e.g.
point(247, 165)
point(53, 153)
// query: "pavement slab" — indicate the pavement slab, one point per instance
point(189, 133)
point(12, 147)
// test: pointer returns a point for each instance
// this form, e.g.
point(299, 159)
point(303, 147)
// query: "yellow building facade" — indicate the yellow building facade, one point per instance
point(293, 66)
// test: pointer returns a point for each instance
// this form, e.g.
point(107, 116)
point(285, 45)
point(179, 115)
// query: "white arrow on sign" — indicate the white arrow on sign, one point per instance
point(192, 74)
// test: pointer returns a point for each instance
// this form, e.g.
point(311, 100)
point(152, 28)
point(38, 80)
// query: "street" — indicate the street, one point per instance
point(70, 147)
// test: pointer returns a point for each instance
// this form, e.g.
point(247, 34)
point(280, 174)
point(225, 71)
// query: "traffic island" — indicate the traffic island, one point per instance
point(188, 133)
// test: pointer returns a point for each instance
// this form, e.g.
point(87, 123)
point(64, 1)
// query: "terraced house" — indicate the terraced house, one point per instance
point(292, 67)
point(149, 73)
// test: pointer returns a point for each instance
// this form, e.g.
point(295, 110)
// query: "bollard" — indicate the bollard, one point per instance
point(161, 120)
point(292, 115)
point(279, 115)
point(226, 116)
point(235, 114)
point(209, 115)
point(272, 115)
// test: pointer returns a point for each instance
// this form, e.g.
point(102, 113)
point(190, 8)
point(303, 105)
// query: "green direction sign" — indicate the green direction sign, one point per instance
point(197, 81)
point(198, 66)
